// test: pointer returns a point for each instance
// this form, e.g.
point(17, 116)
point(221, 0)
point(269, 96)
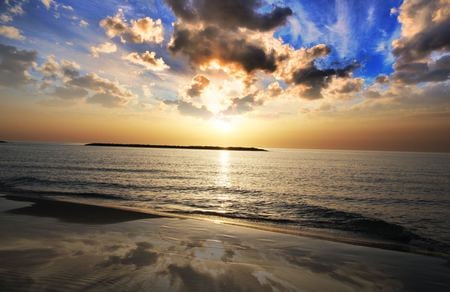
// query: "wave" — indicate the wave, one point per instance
point(94, 169)
point(333, 220)
point(143, 186)
point(49, 193)
point(296, 215)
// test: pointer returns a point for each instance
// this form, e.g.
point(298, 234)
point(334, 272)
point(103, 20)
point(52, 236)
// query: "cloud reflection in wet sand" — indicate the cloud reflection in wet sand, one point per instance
point(168, 254)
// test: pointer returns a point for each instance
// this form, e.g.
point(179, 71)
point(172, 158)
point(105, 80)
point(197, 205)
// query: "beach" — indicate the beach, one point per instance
point(55, 246)
point(193, 145)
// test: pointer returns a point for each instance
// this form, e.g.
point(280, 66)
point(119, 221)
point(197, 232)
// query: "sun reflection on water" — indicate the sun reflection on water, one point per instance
point(223, 165)
point(223, 179)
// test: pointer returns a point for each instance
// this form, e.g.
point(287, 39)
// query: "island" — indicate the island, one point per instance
point(176, 147)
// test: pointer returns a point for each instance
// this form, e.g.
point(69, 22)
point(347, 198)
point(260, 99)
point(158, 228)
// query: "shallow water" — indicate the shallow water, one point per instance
point(403, 197)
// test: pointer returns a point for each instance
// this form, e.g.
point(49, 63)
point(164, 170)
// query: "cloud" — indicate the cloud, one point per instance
point(143, 30)
point(427, 95)
point(14, 66)
point(416, 72)
point(13, 9)
point(5, 17)
point(344, 88)
point(64, 70)
point(104, 48)
point(83, 23)
point(291, 60)
point(313, 79)
point(436, 37)
point(382, 79)
point(107, 93)
point(417, 16)
point(148, 60)
point(231, 14)
point(66, 7)
point(47, 3)
point(225, 47)
point(237, 38)
point(425, 31)
point(108, 100)
point(242, 105)
point(11, 32)
point(370, 93)
point(91, 87)
point(187, 108)
point(63, 78)
point(199, 82)
point(70, 92)
point(274, 89)
point(220, 34)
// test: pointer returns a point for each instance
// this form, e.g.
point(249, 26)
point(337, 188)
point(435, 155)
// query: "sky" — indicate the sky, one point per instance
point(341, 74)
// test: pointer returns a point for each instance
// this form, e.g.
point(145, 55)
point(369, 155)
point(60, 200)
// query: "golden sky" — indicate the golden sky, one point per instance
point(229, 73)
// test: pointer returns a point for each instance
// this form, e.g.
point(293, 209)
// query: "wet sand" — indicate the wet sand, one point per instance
point(73, 247)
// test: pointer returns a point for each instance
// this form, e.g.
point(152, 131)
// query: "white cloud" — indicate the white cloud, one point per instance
point(66, 7)
point(11, 32)
point(5, 17)
point(83, 23)
point(301, 25)
point(17, 9)
point(148, 60)
point(47, 3)
point(342, 30)
point(143, 30)
point(104, 48)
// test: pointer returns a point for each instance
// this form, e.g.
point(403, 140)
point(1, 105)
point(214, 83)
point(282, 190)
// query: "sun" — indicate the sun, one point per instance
point(222, 124)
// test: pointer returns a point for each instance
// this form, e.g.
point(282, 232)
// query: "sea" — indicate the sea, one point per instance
point(401, 198)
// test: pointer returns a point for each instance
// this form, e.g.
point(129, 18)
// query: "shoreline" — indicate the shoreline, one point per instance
point(143, 212)
point(53, 245)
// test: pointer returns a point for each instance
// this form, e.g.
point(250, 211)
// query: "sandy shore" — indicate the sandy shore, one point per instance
point(71, 247)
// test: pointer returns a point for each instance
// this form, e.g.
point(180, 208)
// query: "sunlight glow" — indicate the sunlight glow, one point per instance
point(222, 125)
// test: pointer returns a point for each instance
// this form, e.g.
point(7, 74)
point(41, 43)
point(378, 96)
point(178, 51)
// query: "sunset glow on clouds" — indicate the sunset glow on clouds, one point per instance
point(302, 70)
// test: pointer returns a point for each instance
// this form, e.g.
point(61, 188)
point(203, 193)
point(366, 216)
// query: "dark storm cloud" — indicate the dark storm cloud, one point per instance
point(434, 38)
point(417, 72)
point(14, 65)
point(425, 35)
point(230, 14)
point(213, 43)
point(208, 30)
point(316, 79)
